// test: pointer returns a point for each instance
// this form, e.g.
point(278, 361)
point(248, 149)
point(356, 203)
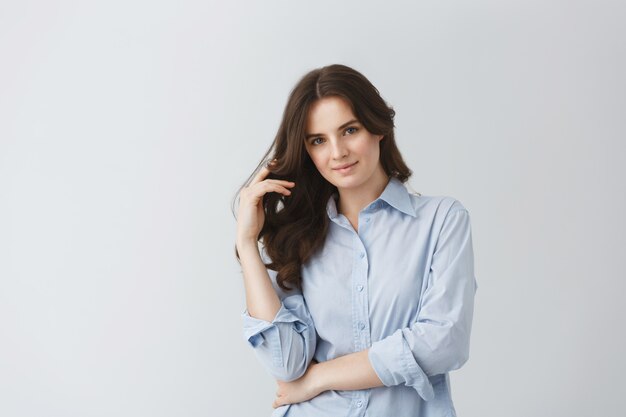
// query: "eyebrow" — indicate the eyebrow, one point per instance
point(309, 135)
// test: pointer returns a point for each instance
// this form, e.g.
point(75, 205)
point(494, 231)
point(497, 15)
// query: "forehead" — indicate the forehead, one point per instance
point(327, 113)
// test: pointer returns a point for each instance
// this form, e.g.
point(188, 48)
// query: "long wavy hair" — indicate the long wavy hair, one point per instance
point(295, 227)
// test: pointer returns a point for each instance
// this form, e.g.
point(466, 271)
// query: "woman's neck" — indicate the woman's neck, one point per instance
point(353, 200)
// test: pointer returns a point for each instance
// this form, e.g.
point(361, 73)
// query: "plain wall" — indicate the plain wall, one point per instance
point(126, 127)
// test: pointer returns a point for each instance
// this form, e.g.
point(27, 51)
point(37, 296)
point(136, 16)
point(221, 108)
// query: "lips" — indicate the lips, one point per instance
point(345, 166)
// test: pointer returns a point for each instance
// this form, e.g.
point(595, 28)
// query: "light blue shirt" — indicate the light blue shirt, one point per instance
point(403, 286)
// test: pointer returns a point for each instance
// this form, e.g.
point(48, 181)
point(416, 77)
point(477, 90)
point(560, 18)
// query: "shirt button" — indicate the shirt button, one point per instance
point(361, 255)
point(359, 287)
point(361, 325)
point(359, 403)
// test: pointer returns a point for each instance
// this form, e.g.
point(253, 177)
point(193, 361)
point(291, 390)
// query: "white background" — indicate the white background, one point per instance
point(126, 127)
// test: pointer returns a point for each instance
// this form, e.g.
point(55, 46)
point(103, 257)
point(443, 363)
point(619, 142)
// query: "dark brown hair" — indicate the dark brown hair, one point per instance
point(295, 226)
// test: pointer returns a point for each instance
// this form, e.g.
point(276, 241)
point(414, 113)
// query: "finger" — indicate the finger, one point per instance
point(266, 187)
point(262, 173)
point(254, 194)
point(281, 182)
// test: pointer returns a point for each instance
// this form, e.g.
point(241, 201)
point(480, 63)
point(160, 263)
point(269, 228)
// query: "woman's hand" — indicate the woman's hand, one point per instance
point(302, 389)
point(251, 216)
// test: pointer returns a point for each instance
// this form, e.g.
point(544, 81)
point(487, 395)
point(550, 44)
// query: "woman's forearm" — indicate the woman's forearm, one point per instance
point(350, 372)
point(262, 301)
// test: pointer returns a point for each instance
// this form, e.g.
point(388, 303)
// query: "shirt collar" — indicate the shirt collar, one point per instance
point(395, 194)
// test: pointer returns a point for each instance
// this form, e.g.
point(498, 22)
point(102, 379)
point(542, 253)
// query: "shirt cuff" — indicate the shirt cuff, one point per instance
point(395, 364)
point(253, 327)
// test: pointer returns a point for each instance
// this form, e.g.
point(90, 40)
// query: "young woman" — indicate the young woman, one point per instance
point(361, 295)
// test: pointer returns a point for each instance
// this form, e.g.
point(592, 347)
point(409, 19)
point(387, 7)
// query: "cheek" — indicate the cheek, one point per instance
point(370, 150)
point(317, 159)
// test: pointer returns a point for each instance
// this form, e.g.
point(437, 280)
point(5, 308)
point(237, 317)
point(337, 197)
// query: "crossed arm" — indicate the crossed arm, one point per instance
point(436, 343)
point(350, 372)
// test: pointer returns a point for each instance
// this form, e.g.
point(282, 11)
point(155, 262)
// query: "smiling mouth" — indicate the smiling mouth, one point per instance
point(346, 167)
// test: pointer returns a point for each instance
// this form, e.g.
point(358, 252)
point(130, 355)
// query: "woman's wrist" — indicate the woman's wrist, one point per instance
point(353, 371)
point(319, 381)
point(245, 243)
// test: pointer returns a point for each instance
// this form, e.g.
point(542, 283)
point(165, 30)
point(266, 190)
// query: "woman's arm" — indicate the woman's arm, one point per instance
point(262, 301)
point(350, 372)
point(278, 326)
point(436, 343)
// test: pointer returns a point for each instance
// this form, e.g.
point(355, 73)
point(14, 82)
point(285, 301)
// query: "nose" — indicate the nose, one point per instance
point(338, 150)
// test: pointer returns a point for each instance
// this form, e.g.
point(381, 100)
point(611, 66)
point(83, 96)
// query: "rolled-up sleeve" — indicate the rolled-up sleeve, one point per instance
point(285, 346)
point(438, 342)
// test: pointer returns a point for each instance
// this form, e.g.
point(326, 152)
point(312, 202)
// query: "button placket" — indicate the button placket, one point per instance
point(360, 307)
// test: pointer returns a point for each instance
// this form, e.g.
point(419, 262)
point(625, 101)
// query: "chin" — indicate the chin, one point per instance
point(347, 182)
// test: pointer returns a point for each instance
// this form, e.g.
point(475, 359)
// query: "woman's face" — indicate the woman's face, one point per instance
point(335, 138)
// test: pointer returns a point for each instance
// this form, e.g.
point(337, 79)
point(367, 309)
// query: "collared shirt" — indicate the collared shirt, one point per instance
point(402, 285)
